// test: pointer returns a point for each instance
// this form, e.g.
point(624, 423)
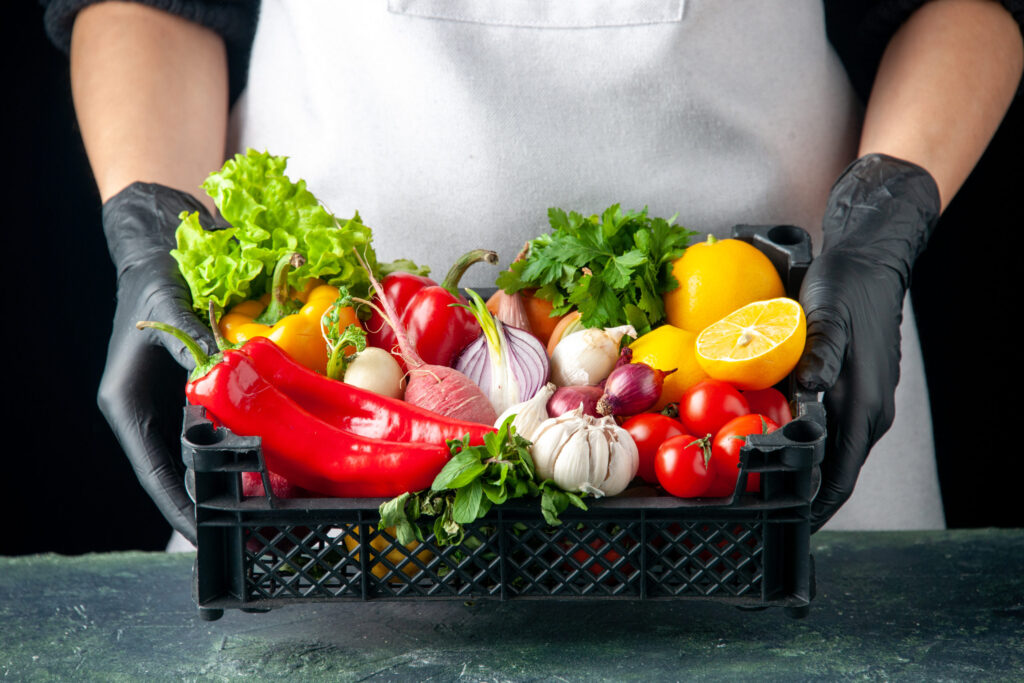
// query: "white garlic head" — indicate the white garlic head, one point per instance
point(584, 453)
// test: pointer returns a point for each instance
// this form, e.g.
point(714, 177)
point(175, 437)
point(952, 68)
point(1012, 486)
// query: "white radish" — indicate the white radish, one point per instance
point(376, 370)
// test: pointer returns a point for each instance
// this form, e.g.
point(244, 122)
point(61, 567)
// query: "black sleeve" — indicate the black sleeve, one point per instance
point(233, 20)
point(859, 30)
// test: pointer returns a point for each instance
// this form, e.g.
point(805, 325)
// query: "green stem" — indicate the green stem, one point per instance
point(712, 239)
point(203, 361)
point(218, 336)
point(336, 363)
point(339, 340)
point(478, 307)
point(279, 303)
point(451, 280)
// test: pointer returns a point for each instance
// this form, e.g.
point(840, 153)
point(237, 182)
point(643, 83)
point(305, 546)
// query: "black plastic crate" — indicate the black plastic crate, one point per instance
point(750, 550)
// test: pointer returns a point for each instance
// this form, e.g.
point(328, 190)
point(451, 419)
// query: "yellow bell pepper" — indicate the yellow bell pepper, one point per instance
point(299, 334)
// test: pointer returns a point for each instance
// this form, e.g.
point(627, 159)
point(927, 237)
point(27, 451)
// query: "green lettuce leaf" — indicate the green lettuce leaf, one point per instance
point(213, 265)
point(270, 216)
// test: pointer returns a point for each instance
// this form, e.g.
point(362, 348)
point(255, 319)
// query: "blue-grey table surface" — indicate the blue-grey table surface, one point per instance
point(890, 605)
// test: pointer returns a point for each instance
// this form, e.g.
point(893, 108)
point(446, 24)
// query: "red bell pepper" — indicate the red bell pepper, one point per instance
point(435, 325)
point(399, 287)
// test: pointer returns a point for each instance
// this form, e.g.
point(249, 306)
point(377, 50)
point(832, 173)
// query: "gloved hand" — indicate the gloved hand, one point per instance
point(879, 217)
point(141, 392)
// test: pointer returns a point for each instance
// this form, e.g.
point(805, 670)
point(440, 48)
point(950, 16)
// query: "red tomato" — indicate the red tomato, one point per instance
point(682, 466)
point(709, 404)
point(725, 452)
point(771, 403)
point(611, 556)
point(649, 430)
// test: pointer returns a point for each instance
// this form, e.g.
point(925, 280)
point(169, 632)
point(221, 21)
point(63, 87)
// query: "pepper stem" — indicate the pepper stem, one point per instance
point(203, 360)
point(280, 305)
point(451, 280)
point(218, 336)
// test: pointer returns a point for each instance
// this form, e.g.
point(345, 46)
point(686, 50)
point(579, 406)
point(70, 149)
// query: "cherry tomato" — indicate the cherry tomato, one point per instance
point(771, 403)
point(725, 452)
point(709, 404)
point(650, 430)
point(682, 466)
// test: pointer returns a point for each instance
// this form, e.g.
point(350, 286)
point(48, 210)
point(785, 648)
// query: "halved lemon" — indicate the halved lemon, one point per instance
point(755, 346)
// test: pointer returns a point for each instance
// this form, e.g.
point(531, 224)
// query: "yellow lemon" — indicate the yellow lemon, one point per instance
point(715, 278)
point(395, 556)
point(669, 348)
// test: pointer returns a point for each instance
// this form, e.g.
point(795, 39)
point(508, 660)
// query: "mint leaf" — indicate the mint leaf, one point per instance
point(393, 513)
point(475, 479)
point(466, 508)
point(462, 469)
point(553, 502)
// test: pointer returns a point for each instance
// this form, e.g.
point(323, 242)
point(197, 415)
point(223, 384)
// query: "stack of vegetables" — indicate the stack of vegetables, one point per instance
point(611, 356)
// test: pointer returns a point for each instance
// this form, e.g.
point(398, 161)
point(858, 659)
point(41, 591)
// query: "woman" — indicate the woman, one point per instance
point(456, 124)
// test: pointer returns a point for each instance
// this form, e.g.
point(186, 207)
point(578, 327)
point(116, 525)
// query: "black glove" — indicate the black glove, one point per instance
point(879, 217)
point(142, 390)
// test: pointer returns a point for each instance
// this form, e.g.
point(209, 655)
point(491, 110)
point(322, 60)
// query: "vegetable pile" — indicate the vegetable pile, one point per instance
point(573, 381)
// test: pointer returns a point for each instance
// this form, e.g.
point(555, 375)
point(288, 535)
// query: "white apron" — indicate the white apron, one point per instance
point(456, 124)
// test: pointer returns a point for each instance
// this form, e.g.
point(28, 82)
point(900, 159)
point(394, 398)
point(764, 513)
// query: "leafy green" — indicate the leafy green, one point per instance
point(614, 268)
point(475, 479)
point(212, 263)
point(270, 216)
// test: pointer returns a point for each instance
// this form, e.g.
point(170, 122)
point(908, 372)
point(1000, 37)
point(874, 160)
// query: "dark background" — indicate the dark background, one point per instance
point(67, 487)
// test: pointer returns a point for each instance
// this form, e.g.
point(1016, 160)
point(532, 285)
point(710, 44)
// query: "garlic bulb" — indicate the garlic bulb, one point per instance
point(583, 453)
point(529, 414)
point(587, 356)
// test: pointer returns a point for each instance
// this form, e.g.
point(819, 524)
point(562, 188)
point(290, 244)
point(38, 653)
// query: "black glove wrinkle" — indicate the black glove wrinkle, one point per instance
point(902, 197)
point(879, 216)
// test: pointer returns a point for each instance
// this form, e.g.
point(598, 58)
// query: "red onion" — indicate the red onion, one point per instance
point(569, 398)
point(625, 358)
point(509, 365)
point(630, 389)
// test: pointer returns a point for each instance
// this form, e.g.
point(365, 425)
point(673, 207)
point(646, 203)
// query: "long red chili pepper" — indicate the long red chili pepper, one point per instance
point(353, 409)
point(439, 330)
point(298, 445)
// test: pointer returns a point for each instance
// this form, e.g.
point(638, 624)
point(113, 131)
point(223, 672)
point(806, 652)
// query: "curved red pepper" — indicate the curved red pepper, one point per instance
point(353, 409)
point(399, 287)
point(304, 449)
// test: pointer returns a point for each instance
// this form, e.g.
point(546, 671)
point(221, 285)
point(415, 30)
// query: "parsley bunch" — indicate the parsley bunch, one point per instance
point(613, 268)
point(476, 478)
